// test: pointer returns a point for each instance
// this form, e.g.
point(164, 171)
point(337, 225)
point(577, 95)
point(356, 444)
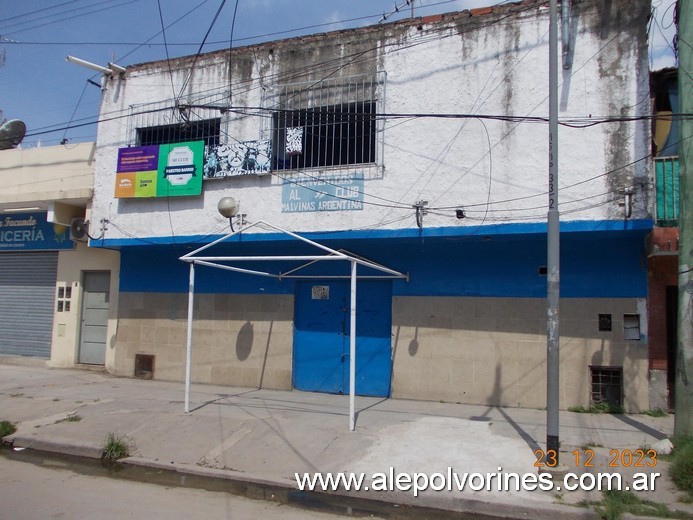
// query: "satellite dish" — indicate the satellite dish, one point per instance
point(79, 229)
point(11, 134)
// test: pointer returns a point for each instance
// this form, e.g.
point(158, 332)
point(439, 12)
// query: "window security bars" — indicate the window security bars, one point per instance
point(159, 123)
point(325, 124)
point(607, 385)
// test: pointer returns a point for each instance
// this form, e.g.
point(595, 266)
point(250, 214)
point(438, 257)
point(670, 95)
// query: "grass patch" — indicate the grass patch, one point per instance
point(682, 464)
point(115, 448)
point(599, 408)
point(591, 444)
point(7, 428)
point(70, 418)
point(657, 412)
point(615, 503)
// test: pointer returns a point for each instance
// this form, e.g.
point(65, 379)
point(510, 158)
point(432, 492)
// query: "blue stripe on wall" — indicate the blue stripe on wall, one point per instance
point(597, 261)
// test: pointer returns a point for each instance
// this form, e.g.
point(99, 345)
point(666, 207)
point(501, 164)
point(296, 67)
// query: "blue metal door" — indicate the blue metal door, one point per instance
point(321, 337)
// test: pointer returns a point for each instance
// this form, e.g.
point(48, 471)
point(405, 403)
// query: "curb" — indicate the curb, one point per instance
point(274, 489)
point(90, 451)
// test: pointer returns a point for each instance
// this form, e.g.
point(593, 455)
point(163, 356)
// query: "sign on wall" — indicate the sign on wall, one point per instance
point(167, 170)
point(336, 193)
point(31, 232)
point(238, 158)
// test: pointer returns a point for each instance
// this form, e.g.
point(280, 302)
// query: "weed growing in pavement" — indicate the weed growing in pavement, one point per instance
point(682, 464)
point(7, 428)
point(70, 418)
point(599, 408)
point(116, 448)
point(615, 503)
point(657, 412)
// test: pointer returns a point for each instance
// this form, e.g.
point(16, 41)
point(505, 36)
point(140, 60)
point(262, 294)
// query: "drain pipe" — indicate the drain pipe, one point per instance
point(565, 33)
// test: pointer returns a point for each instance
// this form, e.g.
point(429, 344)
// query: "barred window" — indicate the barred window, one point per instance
point(607, 385)
point(207, 131)
point(325, 136)
point(164, 123)
point(326, 124)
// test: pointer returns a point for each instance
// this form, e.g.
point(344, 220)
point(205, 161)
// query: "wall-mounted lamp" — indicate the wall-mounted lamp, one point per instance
point(228, 208)
point(116, 68)
point(89, 65)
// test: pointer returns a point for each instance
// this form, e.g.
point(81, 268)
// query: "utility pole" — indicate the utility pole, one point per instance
point(553, 251)
point(683, 424)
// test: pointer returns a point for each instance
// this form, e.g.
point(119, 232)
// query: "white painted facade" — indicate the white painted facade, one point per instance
point(492, 65)
point(462, 110)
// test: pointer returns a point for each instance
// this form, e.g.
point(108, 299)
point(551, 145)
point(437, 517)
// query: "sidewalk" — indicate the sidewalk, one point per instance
point(264, 436)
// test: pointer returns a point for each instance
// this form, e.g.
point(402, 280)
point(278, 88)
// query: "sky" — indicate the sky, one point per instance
point(38, 86)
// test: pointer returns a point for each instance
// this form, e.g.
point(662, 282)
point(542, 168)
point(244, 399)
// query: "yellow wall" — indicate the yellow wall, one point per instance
point(66, 325)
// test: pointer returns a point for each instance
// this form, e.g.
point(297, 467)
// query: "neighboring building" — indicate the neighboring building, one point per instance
point(663, 243)
point(54, 291)
point(421, 145)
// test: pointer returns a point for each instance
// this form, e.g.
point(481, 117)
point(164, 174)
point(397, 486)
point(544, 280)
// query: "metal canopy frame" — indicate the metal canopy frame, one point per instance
point(221, 262)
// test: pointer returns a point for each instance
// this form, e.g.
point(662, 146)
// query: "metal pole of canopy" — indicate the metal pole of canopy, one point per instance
point(188, 353)
point(352, 349)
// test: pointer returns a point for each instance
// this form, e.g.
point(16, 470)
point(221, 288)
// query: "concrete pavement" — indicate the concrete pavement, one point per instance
point(265, 436)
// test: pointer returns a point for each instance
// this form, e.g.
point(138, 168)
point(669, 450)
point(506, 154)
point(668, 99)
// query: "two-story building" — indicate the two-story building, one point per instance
point(419, 145)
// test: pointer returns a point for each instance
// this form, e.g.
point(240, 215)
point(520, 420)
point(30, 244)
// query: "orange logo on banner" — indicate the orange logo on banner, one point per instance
point(125, 185)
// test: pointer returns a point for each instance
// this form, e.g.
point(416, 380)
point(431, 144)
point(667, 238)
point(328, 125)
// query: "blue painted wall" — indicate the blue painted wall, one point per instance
point(597, 261)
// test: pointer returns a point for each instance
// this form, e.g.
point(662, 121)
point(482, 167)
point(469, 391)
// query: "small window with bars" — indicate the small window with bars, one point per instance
point(207, 131)
point(607, 386)
point(163, 122)
point(331, 123)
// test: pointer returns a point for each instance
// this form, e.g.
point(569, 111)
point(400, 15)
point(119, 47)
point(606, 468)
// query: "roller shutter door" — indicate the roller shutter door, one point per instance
point(27, 296)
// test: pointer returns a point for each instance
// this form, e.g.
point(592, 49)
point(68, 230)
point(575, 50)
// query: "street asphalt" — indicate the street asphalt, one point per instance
point(265, 437)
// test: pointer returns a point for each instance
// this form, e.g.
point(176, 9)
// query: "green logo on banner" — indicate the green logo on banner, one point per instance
point(180, 169)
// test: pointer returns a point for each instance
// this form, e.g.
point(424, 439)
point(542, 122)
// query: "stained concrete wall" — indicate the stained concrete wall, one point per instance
point(495, 64)
point(492, 351)
point(238, 340)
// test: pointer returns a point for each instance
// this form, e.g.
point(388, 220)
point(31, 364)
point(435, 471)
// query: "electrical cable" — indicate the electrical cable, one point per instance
point(417, 43)
point(168, 58)
point(199, 51)
point(233, 25)
point(98, 10)
point(64, 139)
point(37, 11)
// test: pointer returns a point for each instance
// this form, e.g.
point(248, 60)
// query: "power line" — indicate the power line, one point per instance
point(357, 55)
point(37, 11)
point(199, 51)
point(98, 10)
point(168, 58)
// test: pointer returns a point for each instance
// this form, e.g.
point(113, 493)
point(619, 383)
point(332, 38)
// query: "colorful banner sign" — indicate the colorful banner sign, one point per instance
point(31, 232)
point(167, 170)
point(336, 193)
point(238, 158)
